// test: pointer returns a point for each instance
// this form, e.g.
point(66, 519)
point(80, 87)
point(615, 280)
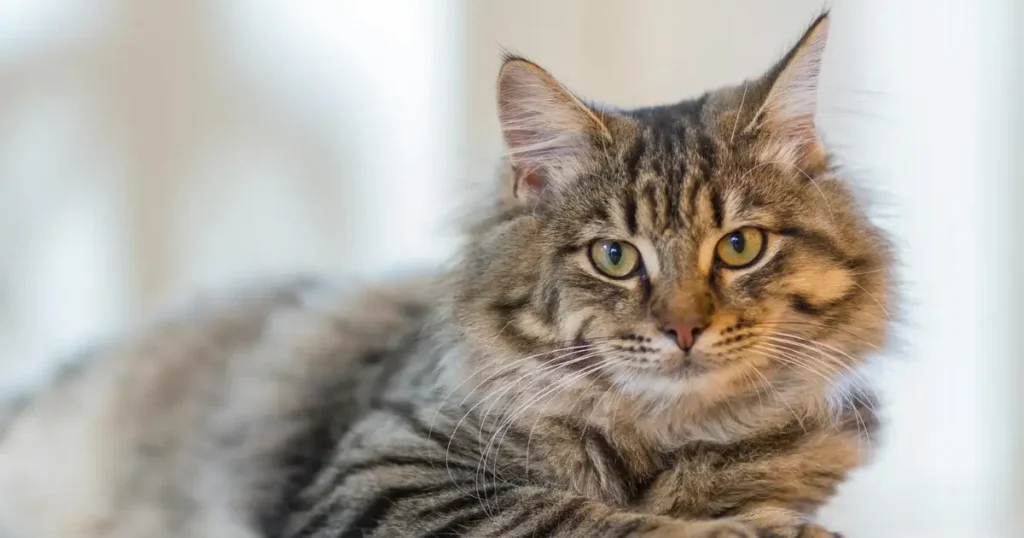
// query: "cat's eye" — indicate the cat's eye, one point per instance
point(741, 248)
point(616, 259)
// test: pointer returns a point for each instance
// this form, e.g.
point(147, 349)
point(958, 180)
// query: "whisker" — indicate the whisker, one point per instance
point(754, 383)
point(483, 422)
point(768, 384)
point(769, 325)
point(502, 429)
point(788, 357)
point(875, 299)
point(537, 375)
point(794, 356)
point(837, 363)
point(529, 438)
point(501, 370)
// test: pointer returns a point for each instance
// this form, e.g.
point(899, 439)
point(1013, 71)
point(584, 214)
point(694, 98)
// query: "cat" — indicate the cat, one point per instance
point(655, 330)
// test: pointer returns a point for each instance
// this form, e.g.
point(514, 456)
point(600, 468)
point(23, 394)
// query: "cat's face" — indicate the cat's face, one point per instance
point(701, 248)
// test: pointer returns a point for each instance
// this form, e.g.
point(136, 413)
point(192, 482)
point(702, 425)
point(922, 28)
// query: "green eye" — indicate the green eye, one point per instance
point(616, 259)
point(741, 248)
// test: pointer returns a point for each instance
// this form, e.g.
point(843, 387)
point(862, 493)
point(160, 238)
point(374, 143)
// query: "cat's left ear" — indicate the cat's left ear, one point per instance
point(550, 133)
point(787, 113)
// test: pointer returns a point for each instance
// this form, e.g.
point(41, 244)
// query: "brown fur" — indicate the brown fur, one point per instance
point(523, 392)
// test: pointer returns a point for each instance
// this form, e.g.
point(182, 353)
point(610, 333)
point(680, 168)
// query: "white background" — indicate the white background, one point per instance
point(149, 150)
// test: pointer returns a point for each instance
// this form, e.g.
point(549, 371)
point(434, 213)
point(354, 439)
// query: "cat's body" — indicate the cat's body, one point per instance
point(669, 381)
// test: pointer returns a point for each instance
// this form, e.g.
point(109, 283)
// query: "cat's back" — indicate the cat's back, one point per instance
point(170, 431)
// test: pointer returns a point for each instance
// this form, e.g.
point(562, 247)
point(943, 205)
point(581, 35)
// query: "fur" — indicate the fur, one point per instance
point(523, 392)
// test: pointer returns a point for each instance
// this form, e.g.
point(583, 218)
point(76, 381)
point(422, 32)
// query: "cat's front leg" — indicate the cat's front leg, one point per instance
point(774, 483)
point(776, 522)
point(804, 530)
point(405, 496)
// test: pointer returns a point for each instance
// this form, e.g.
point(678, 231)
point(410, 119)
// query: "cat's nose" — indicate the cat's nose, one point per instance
point(685, 334)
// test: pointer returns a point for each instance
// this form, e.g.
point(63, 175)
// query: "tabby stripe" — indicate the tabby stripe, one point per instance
point(400, 461)
point(371, 516)
point(522, 341)
point(584, 327)
point(632, 158)
point(459, 525)
point(754, 283)
point(369, 519)
point(465, 500)
point(716, 208)
point(630, 212)
point(673, 193)
point(599, 214)
point(708, 156)
point(508, 306)
point(611, 456)
point(645, 288)
point(715, 278)
point(406, 412)
point(553, 522)
point(691, 195)
point(564, 251)
point(801, 304)
point(551, 299)
point(394, 361)
point(517, 521)
point(653, 206)
point(819, 242)
point(482, 501)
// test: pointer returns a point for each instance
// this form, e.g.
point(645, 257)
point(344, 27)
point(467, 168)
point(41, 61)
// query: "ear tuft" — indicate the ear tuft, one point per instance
point(548, 131)
point(788, 111)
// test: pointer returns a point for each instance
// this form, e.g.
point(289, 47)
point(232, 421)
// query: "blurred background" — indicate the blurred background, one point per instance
point(152, 150)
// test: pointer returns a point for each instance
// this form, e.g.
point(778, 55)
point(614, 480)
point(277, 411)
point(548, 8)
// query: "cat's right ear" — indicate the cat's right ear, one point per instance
point(549, 132)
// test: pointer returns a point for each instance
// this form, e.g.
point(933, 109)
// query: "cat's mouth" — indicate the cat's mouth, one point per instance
point(671, 366)
point(628, 359)
point(689, 365)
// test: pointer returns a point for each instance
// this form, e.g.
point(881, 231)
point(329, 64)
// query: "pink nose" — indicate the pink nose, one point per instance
point(685, 334)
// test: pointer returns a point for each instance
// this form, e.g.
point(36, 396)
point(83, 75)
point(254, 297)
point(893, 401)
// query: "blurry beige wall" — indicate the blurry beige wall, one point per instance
point(149, 151)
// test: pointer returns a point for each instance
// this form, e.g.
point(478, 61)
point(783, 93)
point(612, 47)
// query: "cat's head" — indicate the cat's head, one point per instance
point(699, 249)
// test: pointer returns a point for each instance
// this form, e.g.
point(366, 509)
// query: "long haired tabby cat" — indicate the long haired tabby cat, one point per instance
point(654, 332)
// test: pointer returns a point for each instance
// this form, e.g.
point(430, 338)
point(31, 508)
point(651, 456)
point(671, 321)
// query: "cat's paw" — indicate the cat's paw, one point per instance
point(722, 528)
point(717, 528)
point(804, 530)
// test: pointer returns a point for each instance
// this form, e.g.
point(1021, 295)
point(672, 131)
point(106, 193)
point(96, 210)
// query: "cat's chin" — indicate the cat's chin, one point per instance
point(671, 366)
point(672, 378)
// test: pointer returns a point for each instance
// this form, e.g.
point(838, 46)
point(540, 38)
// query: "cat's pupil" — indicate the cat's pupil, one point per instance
point(738, 242)
point(614, 253)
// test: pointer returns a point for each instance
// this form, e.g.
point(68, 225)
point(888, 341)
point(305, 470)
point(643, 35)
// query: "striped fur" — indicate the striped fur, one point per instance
point(521, 393)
